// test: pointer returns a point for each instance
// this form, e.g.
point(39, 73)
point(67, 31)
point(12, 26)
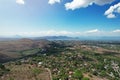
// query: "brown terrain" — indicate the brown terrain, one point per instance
point(94, 77)
point(11, 49)
point(26, 72)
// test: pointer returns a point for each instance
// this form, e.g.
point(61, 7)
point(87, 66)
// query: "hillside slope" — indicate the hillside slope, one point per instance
point(19, 48)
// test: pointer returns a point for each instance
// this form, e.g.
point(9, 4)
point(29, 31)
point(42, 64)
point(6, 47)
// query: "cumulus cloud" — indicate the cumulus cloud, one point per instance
point(47, 33)
point(75, 4)
point(53, 1)
point(111, 12)
point(117, 31)
point(93, 31)
point(20, 2)
point(103, 2)
point(111, 16)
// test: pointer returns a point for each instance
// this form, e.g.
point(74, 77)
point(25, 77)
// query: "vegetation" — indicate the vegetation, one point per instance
point(78, 75)
point(75, 60)
point(3, 70)
point(85, 78)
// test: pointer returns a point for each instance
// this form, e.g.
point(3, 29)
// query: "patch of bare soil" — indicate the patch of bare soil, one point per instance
point(94, 77)
point(26, 72)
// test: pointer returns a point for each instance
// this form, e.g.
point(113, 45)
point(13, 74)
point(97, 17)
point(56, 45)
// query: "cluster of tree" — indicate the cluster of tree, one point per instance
point(3, 69)
point(65, 63)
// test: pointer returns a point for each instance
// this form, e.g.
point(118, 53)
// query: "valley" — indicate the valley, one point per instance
point(60, 60)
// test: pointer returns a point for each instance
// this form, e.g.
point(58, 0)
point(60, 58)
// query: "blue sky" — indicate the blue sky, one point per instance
point(60, 17)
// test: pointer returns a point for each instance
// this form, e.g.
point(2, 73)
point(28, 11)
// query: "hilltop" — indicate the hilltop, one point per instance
point(20, 48)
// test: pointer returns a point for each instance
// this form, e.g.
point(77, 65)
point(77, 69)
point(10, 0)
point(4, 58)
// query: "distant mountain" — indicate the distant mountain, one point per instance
point(103, 38)
point(7, 39)
point(57, 38)
point(17, 36)
point(14, 37)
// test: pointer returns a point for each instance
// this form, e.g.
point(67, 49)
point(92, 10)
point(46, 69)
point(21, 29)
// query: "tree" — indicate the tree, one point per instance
point(85, 78)
point(2, 66)
point(18, 63)
point(36, 71)
point(103, 73)
point(78, 74)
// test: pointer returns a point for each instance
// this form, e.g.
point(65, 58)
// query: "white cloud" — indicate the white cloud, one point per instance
point(53, 1)
point(103, 2)
point(75, 4)
point(47, 33)
point(65, 33)
point(93, 31)
point(111, 16)
point(117, 31)
point(110, 13)
point(118, 10)
point(20, 2)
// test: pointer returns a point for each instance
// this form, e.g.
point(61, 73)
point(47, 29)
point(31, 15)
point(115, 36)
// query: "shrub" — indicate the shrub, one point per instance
point(78, 74)
point(2, 66)
point(85, 78)
point(18, 63)
point(11, 78)
point(36, 71)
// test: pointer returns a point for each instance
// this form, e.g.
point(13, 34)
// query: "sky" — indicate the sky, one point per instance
point(36, 18)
